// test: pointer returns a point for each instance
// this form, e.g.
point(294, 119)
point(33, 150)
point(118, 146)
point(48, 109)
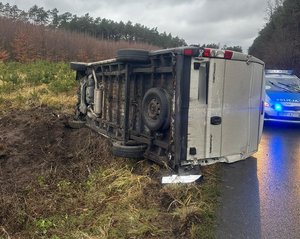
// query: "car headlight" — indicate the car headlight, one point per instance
point(267, 104)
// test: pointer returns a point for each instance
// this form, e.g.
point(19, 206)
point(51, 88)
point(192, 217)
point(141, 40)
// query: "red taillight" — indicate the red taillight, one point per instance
point(228, 54)
point(188, 52)
point(206, 52)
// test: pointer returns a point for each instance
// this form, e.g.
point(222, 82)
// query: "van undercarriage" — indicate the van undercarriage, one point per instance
point(143, 101)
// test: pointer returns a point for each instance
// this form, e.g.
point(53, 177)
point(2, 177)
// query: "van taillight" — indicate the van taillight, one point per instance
point(228, 54)
point(217, 53)
point(188, 52)
point(206, 52)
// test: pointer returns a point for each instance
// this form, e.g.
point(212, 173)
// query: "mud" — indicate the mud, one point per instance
point(38, 151)
point(33, 141)
point(36, 146)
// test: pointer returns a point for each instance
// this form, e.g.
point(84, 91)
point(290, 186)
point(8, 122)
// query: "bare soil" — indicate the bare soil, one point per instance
point(36, 145)
point(33, 141)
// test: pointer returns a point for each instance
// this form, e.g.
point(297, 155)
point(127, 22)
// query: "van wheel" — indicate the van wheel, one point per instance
point(126, 151)
point(75, 124)
point(132, 55)
point(156, 109)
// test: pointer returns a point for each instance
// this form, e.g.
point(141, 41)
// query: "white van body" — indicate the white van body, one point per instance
point(235, 94)
point(179, 107)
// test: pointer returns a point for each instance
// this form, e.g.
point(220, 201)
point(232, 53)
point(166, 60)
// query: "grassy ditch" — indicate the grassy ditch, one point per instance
point(60, 183)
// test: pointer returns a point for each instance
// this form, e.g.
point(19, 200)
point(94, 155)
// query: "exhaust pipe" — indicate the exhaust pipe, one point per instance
point(98, 95)
point(82, 106)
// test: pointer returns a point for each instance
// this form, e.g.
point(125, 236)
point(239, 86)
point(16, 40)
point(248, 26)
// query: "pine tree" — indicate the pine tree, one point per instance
point(22, 48)
point(4, 55)
point(278, 42)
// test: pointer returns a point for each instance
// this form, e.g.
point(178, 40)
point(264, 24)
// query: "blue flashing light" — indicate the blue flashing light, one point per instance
point(278, 107)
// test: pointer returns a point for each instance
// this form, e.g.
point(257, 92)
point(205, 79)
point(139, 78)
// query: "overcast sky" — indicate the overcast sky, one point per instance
point(230, 22)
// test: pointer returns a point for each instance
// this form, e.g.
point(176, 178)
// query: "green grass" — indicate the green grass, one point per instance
point(36, 84)
point(35, 73)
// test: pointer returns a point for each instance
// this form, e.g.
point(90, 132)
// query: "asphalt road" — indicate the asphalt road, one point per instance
point(260, 197)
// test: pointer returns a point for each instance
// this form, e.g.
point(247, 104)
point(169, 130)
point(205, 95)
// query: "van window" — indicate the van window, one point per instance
point(203, 82)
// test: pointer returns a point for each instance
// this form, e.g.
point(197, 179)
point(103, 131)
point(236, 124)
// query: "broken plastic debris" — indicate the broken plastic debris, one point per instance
point(180, 178)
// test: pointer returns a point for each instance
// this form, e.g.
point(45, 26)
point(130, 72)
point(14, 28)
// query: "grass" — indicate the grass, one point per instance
point(113, 202)
point(114, 198)
point(38, 83)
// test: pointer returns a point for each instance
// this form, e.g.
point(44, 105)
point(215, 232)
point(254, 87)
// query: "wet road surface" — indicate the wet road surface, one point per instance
point(260, 197)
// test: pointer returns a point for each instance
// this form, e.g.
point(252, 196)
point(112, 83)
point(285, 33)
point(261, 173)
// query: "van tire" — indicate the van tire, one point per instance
point(75, 124)
point(126, 151)
point(132, 55)
point(156, 109)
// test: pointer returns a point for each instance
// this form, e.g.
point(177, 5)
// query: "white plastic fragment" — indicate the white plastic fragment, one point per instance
point(180, 178)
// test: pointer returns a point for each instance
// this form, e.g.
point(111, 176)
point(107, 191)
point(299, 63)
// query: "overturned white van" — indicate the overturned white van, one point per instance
point(180, 107)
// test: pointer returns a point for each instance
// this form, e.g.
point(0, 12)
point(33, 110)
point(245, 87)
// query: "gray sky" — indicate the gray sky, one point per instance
point(230, 22)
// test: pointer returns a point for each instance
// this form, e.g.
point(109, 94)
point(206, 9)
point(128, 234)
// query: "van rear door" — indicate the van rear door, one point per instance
point(224, 110)
point(242, 102)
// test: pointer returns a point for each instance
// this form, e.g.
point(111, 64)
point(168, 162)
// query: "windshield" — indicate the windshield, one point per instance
point(288, 83)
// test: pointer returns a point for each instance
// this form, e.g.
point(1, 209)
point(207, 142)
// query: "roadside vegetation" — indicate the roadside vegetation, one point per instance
point(100, 28)
point(25, 42)
point(39, 34)
point(278, 42)
point(36, 84)
point(57, 182)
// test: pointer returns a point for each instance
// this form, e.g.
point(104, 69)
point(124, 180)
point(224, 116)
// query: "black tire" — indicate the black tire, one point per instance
point(156, 109)
point(133, 55)
point(75, 124)
point(126, 151)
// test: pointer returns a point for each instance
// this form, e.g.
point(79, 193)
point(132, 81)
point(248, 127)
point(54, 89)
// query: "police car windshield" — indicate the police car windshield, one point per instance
point(280, 82)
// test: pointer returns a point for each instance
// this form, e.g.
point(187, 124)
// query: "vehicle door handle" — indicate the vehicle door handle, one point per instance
point(215, 120)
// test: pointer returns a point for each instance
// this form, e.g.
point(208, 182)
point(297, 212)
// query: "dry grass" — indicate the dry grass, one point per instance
point(28, 97)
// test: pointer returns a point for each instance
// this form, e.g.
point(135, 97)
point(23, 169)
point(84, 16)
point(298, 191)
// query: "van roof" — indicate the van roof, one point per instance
point(193, 51)
point(215, 53)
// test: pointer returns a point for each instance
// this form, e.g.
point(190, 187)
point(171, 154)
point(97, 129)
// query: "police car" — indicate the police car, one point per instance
point(282, 101)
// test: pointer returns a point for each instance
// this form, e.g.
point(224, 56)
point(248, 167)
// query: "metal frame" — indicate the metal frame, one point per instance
point(124, 83)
